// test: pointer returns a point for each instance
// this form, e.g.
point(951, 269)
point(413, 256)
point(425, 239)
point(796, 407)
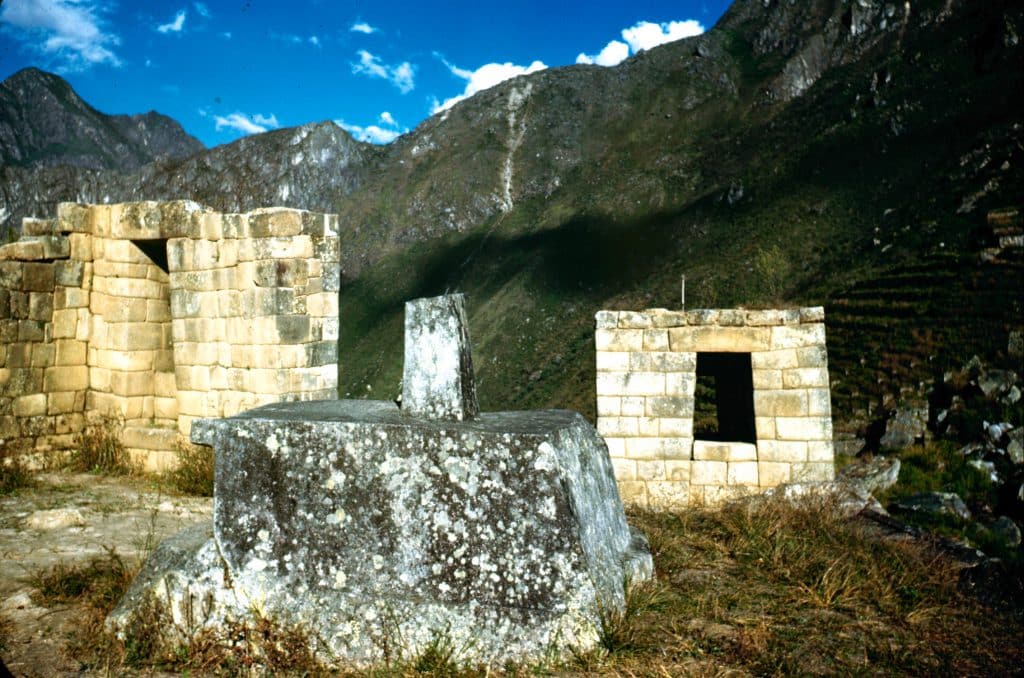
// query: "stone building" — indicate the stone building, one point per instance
point(700, 406)
point(155, 314)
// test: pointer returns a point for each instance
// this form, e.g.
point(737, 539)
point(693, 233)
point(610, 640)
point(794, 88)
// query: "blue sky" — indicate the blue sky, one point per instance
point(224, 69)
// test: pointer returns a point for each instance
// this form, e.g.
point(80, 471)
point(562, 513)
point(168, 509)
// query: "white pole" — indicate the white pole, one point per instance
point(682, 293)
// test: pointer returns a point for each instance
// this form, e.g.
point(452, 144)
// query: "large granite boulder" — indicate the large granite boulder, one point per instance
point(383, 533)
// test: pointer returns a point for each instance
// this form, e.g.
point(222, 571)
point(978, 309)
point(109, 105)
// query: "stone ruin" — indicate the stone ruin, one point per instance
point(762, 417)
point(383, 531)
point(156, 314)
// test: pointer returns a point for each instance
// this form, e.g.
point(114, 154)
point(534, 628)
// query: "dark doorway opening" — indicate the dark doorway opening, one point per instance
point(724, 398)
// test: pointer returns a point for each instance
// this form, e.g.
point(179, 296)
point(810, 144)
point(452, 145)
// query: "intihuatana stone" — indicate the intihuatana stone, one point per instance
point(437, 381)
point(384, 532)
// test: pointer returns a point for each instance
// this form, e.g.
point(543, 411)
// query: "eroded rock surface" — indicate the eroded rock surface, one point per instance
point(503, 535)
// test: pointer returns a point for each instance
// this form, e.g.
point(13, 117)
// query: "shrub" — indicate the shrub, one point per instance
point(98, 449)
point(14, 473)
point(194, 473)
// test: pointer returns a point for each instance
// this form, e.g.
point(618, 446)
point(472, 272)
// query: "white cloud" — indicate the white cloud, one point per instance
point(362, 27)
point(384, 133)
point(174, 26)
point(245, 124)
point(401, 76)
point(645, 34)
point(226, 35)
point(614, 53)
point(484, 77)
point(73, 30)
point(314, 40)
point(202, 9)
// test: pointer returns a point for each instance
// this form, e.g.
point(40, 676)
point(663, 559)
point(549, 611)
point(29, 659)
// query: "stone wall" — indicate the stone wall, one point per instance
point(155, 314)
point(646, 389)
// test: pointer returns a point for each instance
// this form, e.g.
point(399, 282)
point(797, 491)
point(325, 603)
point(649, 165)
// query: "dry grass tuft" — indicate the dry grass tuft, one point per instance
point(193, 474)
point(98, 449)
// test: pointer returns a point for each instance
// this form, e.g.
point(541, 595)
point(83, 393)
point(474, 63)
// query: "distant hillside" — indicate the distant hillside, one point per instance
point(43, 123)
point(794, 154)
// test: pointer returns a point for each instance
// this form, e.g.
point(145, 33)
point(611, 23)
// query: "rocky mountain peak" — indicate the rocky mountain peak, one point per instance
point(43, 123)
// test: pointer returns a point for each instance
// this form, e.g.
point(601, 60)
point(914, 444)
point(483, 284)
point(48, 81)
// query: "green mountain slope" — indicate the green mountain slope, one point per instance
point(788, 156)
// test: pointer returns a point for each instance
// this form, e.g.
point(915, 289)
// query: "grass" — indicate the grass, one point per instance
point(98, 449)
point(193, 474)
point(765, 586)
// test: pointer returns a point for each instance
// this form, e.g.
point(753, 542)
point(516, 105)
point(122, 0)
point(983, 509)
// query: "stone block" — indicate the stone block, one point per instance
point(767, 379)
point(678, 471)
point(661, 361)
point(631, 383)
point(803, 428)
point(131, 384)
point(765, 428)
point(708, 472)
point(135, 288)
point(655, 340)
point(664, 318)
point(797, 336)
point(625, 469)
point(165, 384)
point(81, 246)
point(772, 473)
point(783, 403)
point(783, 359)
point(720, 339)
point(292, 247)
point(812, 314)
point(149, 438)
point(618, 426)
point(130, 336)
point(677, 448)
point(31, 330)
point(616, 447)
point(619, 340)
point(669, 406)
point(74, 378)
point(633, 406)
point(43, 355)
point(29, 405)
point(667, 495)
point(702, 316)
point(643, 448)
point(75, 298)
point(38, 277)
point(608, 406)
point(732, 317)
point(411, 517)
point(650, 469)
point(60, 403)
point(166, 408)
point(606, 320)
point(812, 472)
point(743, 473)
point(812, 356)
point(633, 320)
point(613, 361)
point(821, 451)
point(761, 318)
point(680, 427)
point(12, 275)
point(69, 273)
point(680, 384)
point(648, 426)
point(70, 352)
point(633, 492)
point(819, 402)
point(789, 451)
point(805, 377)
point(708, 450)
point(438, 380)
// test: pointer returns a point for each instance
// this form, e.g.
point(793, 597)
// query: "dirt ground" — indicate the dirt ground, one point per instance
point(71, 518)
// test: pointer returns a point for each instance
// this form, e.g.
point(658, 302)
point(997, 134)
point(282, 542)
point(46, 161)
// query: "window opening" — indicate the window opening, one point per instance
point(724, 398)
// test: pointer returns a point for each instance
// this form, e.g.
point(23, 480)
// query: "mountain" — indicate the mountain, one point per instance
point(797, 153)
point(43, 122)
